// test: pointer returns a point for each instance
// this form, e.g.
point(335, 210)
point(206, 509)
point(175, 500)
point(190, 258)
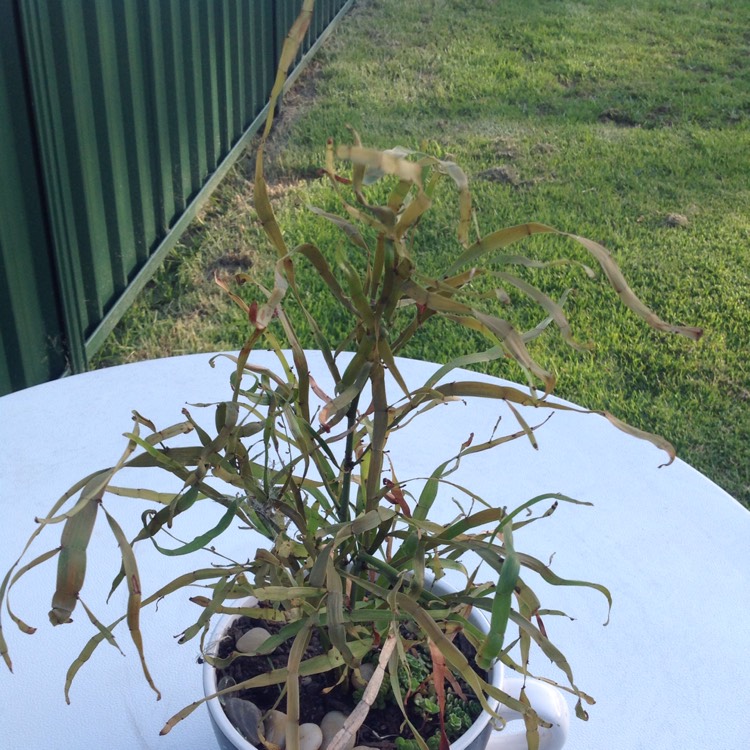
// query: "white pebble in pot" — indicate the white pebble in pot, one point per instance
point(310, 737)
point(332, 722)
point(275, 728)
point(250, 642)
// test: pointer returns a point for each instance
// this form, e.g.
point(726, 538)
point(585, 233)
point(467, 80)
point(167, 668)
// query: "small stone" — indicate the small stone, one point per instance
point(245, 716)
point(360, 680)
point(367, 670)
point(252, 640)
point(310, 737)
point(330, 725)
point(275, 728)
point(676, 220)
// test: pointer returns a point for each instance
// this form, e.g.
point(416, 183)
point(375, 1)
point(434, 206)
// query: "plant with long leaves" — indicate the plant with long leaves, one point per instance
point(350, 544)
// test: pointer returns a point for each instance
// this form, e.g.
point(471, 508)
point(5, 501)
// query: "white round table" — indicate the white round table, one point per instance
point(670, 671)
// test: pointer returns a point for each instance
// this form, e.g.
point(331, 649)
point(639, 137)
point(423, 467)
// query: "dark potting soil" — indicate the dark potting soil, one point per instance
point(319, 694)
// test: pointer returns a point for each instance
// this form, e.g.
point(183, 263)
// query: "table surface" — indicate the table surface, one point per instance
point(669, 671)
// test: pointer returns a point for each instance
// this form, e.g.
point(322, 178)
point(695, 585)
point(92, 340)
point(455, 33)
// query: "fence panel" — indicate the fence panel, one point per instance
point(132, 112)
point(31, 329)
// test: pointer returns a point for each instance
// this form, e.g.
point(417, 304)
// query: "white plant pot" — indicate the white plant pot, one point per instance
point(547, 700)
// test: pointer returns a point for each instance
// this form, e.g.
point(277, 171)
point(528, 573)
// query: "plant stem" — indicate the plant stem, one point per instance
point(348, 464)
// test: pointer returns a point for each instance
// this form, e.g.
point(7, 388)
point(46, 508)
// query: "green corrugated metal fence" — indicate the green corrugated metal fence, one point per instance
point(117, 119)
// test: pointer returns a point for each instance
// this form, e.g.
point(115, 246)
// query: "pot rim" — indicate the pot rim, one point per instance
point(222, 723)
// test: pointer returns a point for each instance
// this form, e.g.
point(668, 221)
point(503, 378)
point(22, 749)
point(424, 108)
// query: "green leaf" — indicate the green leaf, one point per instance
point(335, 612)
point(201, 540)
point(501, 605)
point(349, 229)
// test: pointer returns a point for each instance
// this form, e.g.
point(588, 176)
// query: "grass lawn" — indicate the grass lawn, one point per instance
point(626, 121)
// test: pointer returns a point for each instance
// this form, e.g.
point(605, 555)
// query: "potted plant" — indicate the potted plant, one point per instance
point(348, 589)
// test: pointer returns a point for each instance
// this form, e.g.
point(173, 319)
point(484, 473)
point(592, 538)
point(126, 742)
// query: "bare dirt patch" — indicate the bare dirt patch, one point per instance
point(504, 174)
point(296, 102)
point(231, 262)
point(617, 117)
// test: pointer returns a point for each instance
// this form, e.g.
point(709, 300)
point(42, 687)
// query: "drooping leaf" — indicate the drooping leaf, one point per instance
point(349, 229)
point(103, 629)
point(134, 595)
point(316, 665)
point(496, 240)
point(627, 295)
point(71, 564)
point(502, 602)
point(335, 611)
point(294, 661)
point(202, 540)
point(384, 161)
point(547, 303)
point(7, 584)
